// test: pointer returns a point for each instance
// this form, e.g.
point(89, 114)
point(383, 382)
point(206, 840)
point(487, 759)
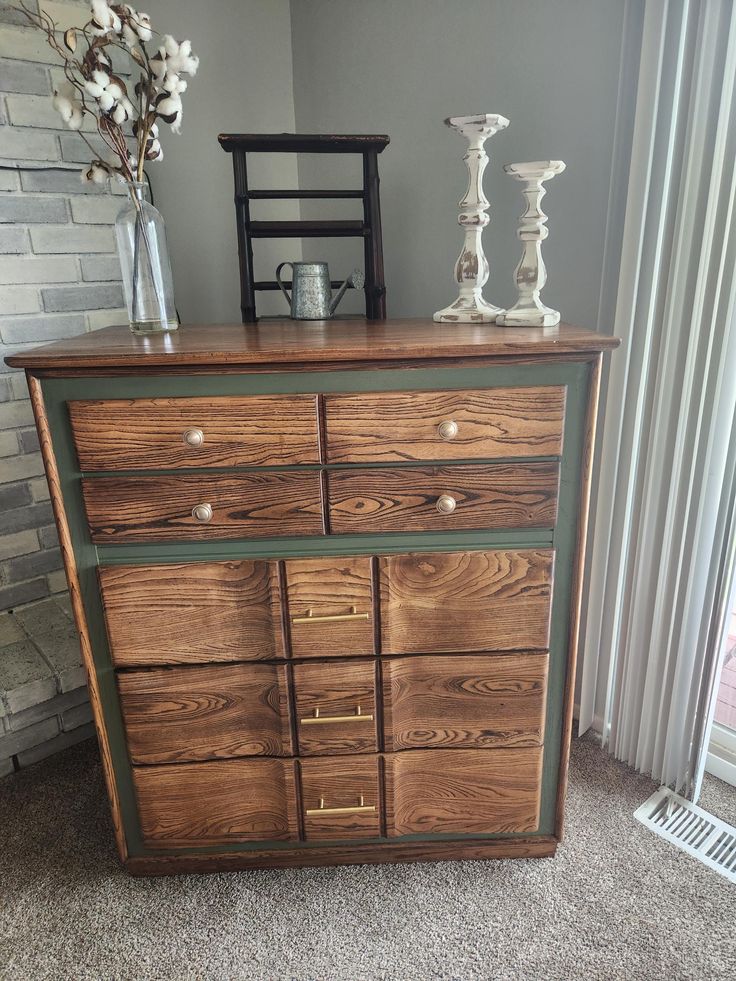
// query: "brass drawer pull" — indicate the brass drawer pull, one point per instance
point(193, 437)
point(202, 513)
point(447, 429)
point(361, 808)
point(318, 719)
point(309, 617)
point(446, 504)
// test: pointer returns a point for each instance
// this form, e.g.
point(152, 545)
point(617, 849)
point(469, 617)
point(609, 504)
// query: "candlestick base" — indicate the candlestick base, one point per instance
point(468, 310)
point(518, 316)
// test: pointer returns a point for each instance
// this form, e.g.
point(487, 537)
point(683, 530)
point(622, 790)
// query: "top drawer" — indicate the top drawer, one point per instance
point(465, 425)
point(153, 434)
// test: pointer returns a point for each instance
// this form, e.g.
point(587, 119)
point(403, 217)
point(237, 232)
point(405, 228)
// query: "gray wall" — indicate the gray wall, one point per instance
point(402, 67)
point(244, 85)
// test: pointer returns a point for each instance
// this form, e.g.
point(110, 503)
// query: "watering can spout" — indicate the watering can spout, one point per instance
point(355, 279)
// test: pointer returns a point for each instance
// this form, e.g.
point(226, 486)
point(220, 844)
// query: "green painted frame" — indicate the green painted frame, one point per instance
point(575, 375)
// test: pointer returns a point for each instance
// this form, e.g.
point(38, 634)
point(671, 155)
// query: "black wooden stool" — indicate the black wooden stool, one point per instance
point(369, 228)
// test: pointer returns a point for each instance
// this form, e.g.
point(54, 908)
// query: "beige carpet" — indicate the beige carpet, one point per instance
point(617, 902)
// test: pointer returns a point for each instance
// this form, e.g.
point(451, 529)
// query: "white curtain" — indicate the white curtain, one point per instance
point(661, 562)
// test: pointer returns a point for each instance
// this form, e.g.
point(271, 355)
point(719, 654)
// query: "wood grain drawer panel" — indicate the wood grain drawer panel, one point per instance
point(498, 600)
point(519, 495)
point(463, 701)
point(150, 434)
point(336, 707)
point(190, 612)
point(252, 505)
point(338, 594)
point(175, 715)
point(340, 798)
point(400, 426)
point(217, 803)
point(463, 791)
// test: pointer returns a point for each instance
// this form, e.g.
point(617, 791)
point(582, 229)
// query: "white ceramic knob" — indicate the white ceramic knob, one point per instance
point(446, 504)
point(202, 513)
point(193, 437)
point(447, 429)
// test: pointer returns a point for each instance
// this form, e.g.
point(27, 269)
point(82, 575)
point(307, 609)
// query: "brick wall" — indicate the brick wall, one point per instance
point(59, 276)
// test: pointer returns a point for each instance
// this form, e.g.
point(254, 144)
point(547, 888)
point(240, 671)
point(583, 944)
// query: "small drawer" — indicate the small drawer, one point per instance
point(340, 798)
point(463, 791)
point(176, 715)
point(463, 425)
point(336, 707)
point(434, 602)
point(201, 508)
point(190, 612)
point(155, 434)
point(464, 701)
point(218, 803)
point(519, 495)
point(330, 606)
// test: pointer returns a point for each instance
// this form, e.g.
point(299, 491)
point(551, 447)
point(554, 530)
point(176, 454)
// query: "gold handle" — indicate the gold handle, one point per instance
point(361, 808)
point(309, 617)
point(318, 719)
point(202, 513)
point(446, 504)
point(447, 429)
point(193, 437)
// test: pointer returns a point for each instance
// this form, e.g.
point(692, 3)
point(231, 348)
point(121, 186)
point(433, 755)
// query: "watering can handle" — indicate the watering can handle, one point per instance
point(278, 279)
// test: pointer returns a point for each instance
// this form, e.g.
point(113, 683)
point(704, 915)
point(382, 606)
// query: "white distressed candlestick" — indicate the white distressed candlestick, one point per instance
point(531, 273)
point(471, 268)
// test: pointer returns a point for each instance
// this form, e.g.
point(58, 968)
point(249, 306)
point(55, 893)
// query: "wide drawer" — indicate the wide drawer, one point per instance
point(470, 701)
point(341, 798)
point(335, 707)
point(216, 803)
point(194, 611)
point(206, 507)
point(458, 425)
point(175, 715)
point(466, 601)
point(463, 791)
point(154, 434)
point(519, 495)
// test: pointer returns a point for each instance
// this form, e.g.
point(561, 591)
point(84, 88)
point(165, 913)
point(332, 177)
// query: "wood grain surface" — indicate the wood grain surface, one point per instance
point(195, 611)
point(175, 715)
point(463, 791)
point(159, 509)
point(148, 434)
point(517, 495)
point(199, 804)
point(285, 342)
point(464, 701)
point(466, 601)
point(336, 689)
point(330, 587)
point(340, 783)
point(397, 427)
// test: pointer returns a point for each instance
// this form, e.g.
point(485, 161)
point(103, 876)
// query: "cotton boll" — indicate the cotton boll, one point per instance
point(96, 173)
point(104, 20)
point(77, 117)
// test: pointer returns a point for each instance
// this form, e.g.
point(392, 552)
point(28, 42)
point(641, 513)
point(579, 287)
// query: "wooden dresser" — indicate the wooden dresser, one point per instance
point(327, 580)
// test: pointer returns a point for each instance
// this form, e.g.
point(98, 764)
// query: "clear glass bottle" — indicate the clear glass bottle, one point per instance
point(144, 260)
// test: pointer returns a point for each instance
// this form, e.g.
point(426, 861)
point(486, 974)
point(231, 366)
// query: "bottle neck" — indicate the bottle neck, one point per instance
point(137, 190)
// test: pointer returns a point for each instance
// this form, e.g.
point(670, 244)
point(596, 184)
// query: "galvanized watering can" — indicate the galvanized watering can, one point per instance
point(311, 293)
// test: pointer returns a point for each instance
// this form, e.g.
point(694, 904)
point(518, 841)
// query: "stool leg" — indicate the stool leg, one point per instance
point(245, 249)
point(375, 288)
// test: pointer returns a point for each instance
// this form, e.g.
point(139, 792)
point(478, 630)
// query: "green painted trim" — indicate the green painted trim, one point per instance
point(575, 375)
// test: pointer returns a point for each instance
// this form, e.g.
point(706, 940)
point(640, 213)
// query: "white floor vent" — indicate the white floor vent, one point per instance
point(692, 829)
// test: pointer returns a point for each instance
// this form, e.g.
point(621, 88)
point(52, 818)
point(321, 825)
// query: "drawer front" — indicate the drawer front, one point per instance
point(520, 495)
point(336, 707)
point(175, 715)
point(340, 798)
point(330, 608)
point(463, 791)
point(465, 425)
point(201, 508)
point(466, 601)
point(182, 614)
point(466, 701)
point(218, 803)
point(154, 434)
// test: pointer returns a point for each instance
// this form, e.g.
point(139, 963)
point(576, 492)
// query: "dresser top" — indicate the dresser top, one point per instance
point(285, 342)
